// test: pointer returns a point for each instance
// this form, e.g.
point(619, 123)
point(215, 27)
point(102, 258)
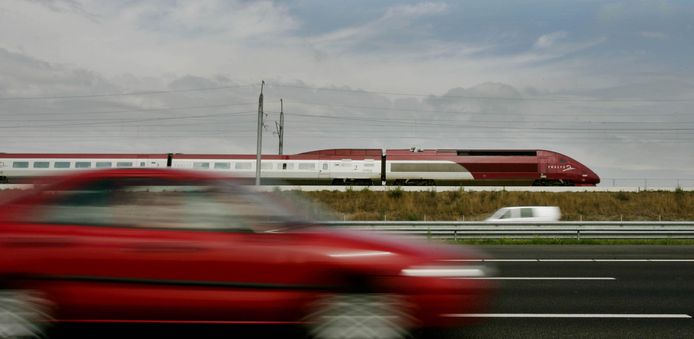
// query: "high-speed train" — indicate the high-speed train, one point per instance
point(335, 166)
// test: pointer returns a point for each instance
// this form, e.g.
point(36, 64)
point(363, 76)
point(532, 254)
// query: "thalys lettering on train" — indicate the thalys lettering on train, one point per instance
point(334, 166)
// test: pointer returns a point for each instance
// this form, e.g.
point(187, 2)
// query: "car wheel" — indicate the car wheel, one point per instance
point(360, 315)
point(23, 314)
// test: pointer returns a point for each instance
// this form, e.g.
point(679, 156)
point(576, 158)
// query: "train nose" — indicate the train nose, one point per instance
point(589, 177)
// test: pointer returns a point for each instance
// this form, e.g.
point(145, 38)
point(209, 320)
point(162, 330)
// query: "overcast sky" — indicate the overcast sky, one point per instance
point(609, 83)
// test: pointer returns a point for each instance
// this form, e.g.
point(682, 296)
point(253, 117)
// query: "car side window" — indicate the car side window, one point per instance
point(526, 213)
point(145, 205)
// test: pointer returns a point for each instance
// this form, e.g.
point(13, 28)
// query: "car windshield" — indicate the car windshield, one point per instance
point(160, 203)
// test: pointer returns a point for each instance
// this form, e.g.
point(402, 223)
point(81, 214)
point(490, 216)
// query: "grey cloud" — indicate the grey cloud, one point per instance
point(27, 76)
point(66, 6)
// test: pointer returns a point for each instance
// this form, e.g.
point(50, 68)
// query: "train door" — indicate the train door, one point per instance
point(324, 171)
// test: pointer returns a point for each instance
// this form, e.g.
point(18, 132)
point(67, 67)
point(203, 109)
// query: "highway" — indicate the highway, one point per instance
point(590, 292)
point(566, 291)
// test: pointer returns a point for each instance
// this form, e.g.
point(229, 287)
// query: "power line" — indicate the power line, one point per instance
point(551, 99)
point(467, 124)
point(121, 94)
point(126, 121)
point(131, 110)
point(464, 112)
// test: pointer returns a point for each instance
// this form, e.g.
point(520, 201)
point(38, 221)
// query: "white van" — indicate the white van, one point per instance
point(526, 214)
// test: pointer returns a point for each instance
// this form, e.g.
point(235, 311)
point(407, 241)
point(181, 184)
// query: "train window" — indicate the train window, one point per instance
point(562, 160)
point(265, 165)
point(20, 164)
point(201, 165)
point(222, 165)
point(284, 166)
point(41, 164)
point(325, 166)
point(2, 164)
point(307, 166)
point(142, 164)
point(243, 165)
point(368, 165)
point(61, 164)
point(83, 164)
point(124, 164)
point(103, 164)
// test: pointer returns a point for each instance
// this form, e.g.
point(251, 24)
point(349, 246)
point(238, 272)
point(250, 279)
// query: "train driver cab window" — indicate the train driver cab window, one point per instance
point(61, 164)
point(506, 215)
point(83, 164)
point(20, 164)
point(41, 164)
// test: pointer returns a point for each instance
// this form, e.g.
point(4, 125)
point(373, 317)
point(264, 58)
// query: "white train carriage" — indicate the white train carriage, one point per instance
point(25, 167)
point(285, 169)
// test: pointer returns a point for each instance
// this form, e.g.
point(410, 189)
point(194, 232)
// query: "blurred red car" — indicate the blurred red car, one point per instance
point(166, 246)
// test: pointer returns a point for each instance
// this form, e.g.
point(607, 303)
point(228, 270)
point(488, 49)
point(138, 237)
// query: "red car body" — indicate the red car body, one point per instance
point(68, 247)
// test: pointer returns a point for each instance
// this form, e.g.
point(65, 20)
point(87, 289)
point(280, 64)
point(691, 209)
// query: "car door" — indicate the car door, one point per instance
point(194, 255)
point(116, 251)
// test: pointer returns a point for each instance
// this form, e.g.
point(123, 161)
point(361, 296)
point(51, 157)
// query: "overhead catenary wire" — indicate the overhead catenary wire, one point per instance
point(348, 90)
point(509, 98)
point(121, 94)
point(129, 110)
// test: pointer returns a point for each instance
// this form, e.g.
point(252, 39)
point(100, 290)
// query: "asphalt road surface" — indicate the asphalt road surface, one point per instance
point(590, 292)
point(555, 291)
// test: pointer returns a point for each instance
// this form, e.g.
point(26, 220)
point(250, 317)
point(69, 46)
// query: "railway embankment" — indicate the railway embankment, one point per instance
point(471, 206)
point(401, 205)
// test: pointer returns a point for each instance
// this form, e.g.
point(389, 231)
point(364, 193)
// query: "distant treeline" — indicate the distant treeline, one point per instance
point(471, 206)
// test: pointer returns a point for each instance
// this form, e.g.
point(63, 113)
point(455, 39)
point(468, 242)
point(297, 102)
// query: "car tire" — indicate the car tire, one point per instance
point(360, 316)
point(23, 314)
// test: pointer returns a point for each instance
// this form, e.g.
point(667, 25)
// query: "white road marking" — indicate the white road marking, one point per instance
point(571, 260)
point(568, 315)
point(545, 278)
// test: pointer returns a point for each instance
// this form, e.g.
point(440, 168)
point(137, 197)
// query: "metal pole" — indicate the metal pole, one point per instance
point(259, 146)
point(281, 126)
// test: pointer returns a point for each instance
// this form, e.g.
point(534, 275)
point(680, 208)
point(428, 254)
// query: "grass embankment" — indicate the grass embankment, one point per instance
point(470, 206)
